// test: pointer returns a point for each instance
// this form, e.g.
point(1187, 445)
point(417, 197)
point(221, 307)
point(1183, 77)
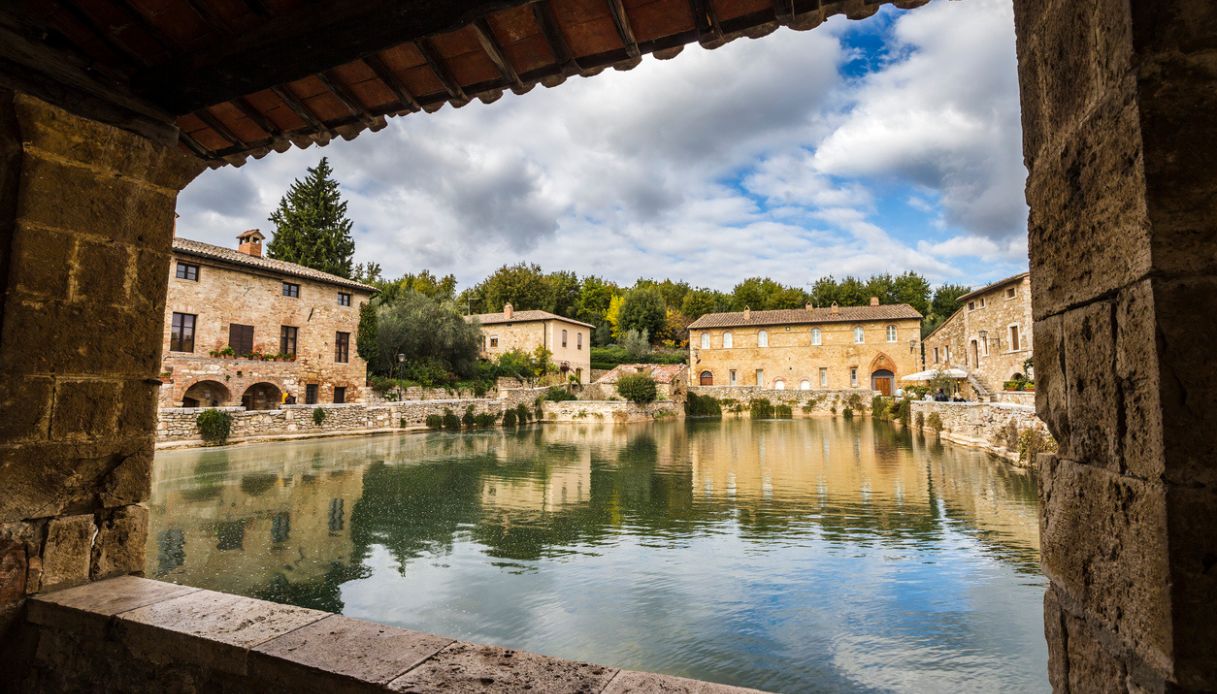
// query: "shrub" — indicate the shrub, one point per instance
point(920, 421)
point(854, 402)
point(318, 416)
point(848, 412)
point(523, 414)
point(435, 421)
point(637, 388)
point(878, 407)
point(760, 408)
point(451, 421)
point(558, 394)
point(702, 406)
point(783, 412)
point(484, 420)
point(903, 410)
point(1008, 436)
point(214, 426)
point(1032, 442)
point(934, 422)
point(509, 418)
point(468, 419)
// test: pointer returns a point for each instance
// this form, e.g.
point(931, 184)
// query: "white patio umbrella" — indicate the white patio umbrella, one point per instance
point(936, 373)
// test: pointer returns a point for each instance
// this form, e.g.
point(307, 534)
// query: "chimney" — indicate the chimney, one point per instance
point(835, 310)
point(807, 307)
point(507, 311)
point(249, 242)
point(747, 313)
point(874, 301)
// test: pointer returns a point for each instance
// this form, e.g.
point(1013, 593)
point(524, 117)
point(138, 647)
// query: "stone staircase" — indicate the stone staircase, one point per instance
point(983, 392)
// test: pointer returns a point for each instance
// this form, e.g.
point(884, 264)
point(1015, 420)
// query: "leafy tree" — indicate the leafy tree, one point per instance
point(366, 340)
point(593, 302)
point(637, 344)
point(565, 289)
point(762, 293)
point(675, 330)
point(613, 315)
point(672, 292)
point(437, 342)
point(945, 303)
point(425, 283)
point(914, 290)
point(643, 310)
point(368, 273)
point(699, 302)
point(311, 225)
point(853, 292)
point(523, 286)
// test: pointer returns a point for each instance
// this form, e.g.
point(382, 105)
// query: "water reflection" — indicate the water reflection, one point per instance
point(787, 555)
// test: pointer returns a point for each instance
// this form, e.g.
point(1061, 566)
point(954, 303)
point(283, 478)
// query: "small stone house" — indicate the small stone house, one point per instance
point(989, 336)
point(568, 340)
point(243, 329)
point(670, 381)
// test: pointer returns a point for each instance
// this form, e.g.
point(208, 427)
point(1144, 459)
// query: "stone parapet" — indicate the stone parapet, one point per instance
point(803, 403)
point(617, 411)
point(993, 427)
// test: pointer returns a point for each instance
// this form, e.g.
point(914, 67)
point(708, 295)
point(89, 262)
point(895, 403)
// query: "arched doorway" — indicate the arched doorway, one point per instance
point(804, 384)
point(707, 378)
point(206, 394)
point(779, 384)
point(883, 381)
point(261, 396)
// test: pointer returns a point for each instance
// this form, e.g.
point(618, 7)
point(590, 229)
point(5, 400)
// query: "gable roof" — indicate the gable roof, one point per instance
point(280, 267)
point(789, 316)
point(662, 373)
point(995, 285)
point(533, 316)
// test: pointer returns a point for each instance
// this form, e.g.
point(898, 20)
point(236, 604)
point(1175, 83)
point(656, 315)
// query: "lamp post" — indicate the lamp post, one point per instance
point(401, 360)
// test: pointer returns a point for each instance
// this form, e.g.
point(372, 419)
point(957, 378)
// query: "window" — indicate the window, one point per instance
point(728, 341)
point(340, 394)
point(705, 340)
point(494, 341)
point(823, 377)
point(971, 305)
point(981, 302)
point(287, 339)
point(241, 338)
point(804, 384)
point(310, 394)
point(1011, 292)
point(579, 372)
point(779, 384)
point(891, 333)
point(935, 355)
point(816, 337)
point(186, 271)
point(731, 377)
point(1014, 343)
point(762, 339)
point(344, 298)
point(563, 338)
point(947, 350)
point(579, 342)
point(859, 335)
point(760, 377)
point(181, 337)
point(853, 376)
point(291, 290)
point(342, 347)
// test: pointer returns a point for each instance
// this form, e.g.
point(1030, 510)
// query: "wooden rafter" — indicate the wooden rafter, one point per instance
point(134, 15)
point(622, 21)
point(544, 15)
point(210, 17)
point(339, 89)
point(214, 123)
point(102, 33)
point(436, 62)
point(302, 111)
point(385, 75)
point(256, 116)
point(193, 145)
point(705, 18)
point(783, 11)
point(495, 52)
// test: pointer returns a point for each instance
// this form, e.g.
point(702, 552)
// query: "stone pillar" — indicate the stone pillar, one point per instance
point(1119, 105)
point(86, 222)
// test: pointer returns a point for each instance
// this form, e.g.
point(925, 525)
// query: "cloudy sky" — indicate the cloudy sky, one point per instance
point(883, 145)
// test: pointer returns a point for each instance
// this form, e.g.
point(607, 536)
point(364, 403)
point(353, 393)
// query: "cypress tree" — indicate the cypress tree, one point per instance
point(311, 226)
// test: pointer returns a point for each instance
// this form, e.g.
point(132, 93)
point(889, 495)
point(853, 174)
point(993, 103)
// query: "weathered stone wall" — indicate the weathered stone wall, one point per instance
point(792, 358)
point(1020, 397)
point(810, 403)
point(617, 411)
point(529, 335)
point(1119, 138)
point(992, 312)
point(86, 220)
point(994, 427)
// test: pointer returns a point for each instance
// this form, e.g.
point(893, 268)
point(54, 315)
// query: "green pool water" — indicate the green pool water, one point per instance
point(794, 556)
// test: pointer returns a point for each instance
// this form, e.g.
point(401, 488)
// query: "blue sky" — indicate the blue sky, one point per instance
point(881, 145)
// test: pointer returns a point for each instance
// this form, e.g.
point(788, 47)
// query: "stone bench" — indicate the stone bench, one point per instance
point(133, 634)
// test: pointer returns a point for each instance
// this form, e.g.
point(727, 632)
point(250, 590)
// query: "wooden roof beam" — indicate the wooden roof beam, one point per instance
point(339, 89)
point(705, 20)
point(134, 15)
point(544, 16)
point(214, 123)
point(495, 52)
point(385, 75)
point(624, 31)
point(436, 63)
point(783, 11)
point(202, 8)
point(302, 111)
point(248, 110)
point(100, 32)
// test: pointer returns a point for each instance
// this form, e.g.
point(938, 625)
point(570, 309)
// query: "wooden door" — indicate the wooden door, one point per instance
point(883, 384)
point(707, 378)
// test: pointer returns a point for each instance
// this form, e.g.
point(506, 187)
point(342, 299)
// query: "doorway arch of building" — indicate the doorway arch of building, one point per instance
point(206, 393)
point(262, 396)
point(706, 378)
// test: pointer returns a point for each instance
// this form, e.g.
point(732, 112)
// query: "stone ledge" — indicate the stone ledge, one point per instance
point(201, 637)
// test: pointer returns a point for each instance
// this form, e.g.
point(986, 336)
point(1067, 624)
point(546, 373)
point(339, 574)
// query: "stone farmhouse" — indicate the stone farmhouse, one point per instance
point(569, 340)
point(242, 329)
point(835, 348)
point(989, 336)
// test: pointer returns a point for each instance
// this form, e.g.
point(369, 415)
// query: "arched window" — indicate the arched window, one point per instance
point(563, 338)
point(707, 378)
point(859, 336)
point(705, 340)
point(891, 333)
point(804, 384)
point(762, 339)
point(816, 337)
point(728, 341)
point(779, 384)
point(578, 340)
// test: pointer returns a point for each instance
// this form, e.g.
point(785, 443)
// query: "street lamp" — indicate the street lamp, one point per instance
point(401, 360)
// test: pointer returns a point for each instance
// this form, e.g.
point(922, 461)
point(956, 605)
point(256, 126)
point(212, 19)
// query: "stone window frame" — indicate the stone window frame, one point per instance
point(1014, 333)
point(892, 334)
point(241, 338)
point(289, 339)
point(339, 395)
point(344, 298)
point(563, 338)
point(762, 338)
point(853, 376)
point(779, 384)
point(859, 335)
point(817, 337)
point(935, 355)
point(494, 341)
point(728, 340)
point(342, 347)
point(1011, 293)
point(177, 331)
point(805, 384)
point(705, 340)
point(291, 290)
point(760, 377)
point(184, 271)
point(579, 342)
point(823, 376)
point(731, 377)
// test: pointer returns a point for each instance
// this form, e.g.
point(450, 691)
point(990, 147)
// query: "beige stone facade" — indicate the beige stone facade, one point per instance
point(852, 347)
point(241, 329)
point(569, 340)
point(989, 336)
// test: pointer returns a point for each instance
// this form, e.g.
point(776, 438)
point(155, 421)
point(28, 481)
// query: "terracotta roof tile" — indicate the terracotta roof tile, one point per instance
point(846, 314)
point(990, 287)
point(523, 317)
point(662, 373)
point(282, 267)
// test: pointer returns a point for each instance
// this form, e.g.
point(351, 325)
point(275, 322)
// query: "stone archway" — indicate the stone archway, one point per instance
point(262, 396)
point(206, 394)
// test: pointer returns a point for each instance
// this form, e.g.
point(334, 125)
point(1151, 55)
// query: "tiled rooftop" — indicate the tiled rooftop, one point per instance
point(794, 316)
point(282, 267)
point(523, 317)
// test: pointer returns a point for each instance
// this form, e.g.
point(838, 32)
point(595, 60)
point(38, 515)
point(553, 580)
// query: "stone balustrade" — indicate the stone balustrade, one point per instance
point(616, 411)
point(809, 403)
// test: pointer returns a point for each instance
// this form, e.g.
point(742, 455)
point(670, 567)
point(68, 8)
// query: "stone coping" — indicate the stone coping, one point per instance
point(997, 405)
point(286, 648)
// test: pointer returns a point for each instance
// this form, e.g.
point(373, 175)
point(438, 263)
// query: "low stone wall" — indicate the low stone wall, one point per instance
point(617, 411)
point(994, 427)
point(1015, 397)
point(137, 635)
point(803, 403)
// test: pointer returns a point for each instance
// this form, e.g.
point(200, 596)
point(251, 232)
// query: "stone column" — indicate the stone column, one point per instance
point(86, 222)
point(1119, 105)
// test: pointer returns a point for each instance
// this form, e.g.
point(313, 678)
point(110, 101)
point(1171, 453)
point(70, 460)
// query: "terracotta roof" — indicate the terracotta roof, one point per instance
point(523, 317)
point(281, 267)
point(846, 314)
point(662, 373)
point(990, 287)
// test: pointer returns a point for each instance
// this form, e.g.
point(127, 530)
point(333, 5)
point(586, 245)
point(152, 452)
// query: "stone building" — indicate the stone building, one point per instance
point(242, 329)
point(989, 336)
point(836, 348)
point(569, 340)
point(670, 381)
